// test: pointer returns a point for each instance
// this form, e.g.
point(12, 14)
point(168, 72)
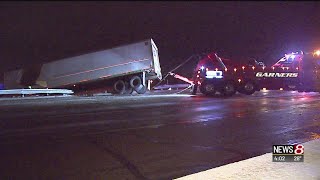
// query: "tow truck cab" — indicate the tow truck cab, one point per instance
point(309, 75)
point(295, 71)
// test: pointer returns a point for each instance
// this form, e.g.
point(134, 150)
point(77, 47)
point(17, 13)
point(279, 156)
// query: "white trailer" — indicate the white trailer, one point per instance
point(126, 68)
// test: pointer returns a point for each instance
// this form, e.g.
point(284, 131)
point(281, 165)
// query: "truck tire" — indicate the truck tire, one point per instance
point(194, 89)
point(128, 89)
point(248, 88)
point(229, 89)
point(135, 82)
point(119, 87)
point(141, 89)
point(207, 89)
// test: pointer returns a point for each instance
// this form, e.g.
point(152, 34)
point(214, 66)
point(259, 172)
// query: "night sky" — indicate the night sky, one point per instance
point(36, 32)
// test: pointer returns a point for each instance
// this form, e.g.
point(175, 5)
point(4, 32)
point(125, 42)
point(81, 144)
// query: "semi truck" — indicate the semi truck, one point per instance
point(125, 68)
point(298, 71)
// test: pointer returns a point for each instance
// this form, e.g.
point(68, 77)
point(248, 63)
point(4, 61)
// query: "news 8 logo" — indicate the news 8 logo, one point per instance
point(299, 149)
point(288, 149)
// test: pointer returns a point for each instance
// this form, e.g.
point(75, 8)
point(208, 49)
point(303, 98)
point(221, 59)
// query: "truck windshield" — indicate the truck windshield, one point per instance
point(211, 61)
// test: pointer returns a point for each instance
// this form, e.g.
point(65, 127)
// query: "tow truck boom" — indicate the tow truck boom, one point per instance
point(177, 76)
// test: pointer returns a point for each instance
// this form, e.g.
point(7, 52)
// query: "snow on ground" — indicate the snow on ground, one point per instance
point(262, 167)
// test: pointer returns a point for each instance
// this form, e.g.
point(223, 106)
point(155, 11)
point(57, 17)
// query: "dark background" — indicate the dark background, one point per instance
point(37, 32)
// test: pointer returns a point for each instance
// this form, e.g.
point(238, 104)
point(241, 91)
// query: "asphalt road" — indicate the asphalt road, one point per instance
point(152, 136)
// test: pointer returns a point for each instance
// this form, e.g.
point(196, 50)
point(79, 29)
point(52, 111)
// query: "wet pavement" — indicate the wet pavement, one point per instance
point(153, 136)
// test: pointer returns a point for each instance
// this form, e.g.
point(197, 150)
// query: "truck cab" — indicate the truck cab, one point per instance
point(310, 72)
point(294, 71)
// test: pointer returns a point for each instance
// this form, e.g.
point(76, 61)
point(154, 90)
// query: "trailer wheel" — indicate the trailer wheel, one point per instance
point(135, 82)
point(229, 89)
point(248, 88)
point(141, 89)
point(119, 87)
point(128, 89)
point(207, 89)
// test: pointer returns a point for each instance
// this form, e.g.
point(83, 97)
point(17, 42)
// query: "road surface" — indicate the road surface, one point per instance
point(154, 136)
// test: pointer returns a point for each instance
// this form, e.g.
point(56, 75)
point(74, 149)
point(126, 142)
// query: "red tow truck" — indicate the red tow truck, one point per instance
point(298, 71)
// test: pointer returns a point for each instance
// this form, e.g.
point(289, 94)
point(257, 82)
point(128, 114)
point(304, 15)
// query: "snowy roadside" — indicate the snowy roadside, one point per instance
point(262, 167)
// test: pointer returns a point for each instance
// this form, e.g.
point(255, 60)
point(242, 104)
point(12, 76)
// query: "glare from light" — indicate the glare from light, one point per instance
point(214, 74)
point(292, 56)
point(202, 67)
point(211, 77)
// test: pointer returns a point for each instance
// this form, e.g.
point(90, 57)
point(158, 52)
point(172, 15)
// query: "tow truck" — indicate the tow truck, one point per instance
point(298, 71)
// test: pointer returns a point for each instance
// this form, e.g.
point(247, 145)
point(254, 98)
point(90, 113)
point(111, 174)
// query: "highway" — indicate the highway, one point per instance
point(152, 136)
